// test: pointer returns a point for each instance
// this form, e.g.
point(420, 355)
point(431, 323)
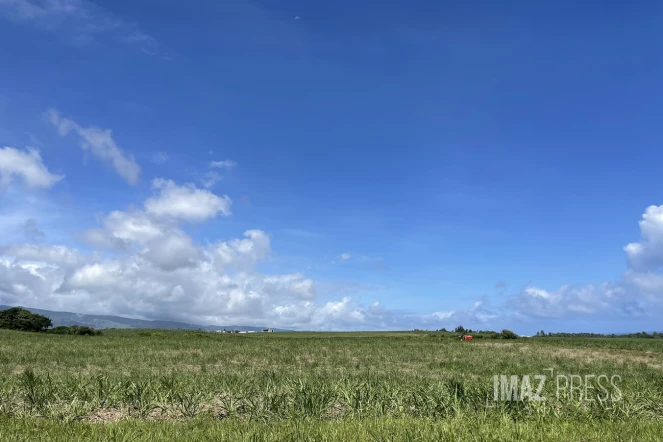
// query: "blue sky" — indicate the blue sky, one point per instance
point(453, 153)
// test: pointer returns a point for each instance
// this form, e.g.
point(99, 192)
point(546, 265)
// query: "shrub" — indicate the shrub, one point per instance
point(60, 330)
point(18, 318)
point(75, 330)
point(83, 330)
point(508, 334)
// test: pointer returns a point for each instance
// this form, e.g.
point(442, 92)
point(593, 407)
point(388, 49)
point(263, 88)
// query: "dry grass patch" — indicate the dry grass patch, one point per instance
point(104, 415)
point(651, 359)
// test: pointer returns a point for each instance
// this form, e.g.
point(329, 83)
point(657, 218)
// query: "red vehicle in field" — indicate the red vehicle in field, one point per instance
point(466, 338)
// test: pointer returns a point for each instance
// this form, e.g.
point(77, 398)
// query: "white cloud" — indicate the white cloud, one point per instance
point(155, 231)
point(647, 254)
point(149, 266)
point(26, 165)
point(566, 301)
point(102, 239)
point(639, 293)
point(443, 315)
point(294, 284)
point(481, 314)
point(80, 22)
point(224, 164)
point(241, 254)
point(132, 226)
point(211, 177)
point(132, 284)
point(101, 143)
point(104, 275)
point(55, 255)
point(157, 271)
point(648, 284)
point(173, 251)
point(186, 203)
point(178, 280)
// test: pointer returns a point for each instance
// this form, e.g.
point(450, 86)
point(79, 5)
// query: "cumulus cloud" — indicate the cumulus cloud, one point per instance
point(155, 232)
point(130, 226)
point(241, 254)
point(165, 286)
point(155, 270)
point(27, 166)
point(638, 293)
point(568, 301)
point(186, 203)
point(102, 239)
point(647, 254)
point(173, 251)
point(294, 284)
point(48, 255)
point(100, 143)
point(179, 280)
point(146, 264)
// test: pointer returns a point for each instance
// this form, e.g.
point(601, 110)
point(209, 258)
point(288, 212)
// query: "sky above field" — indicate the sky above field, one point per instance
point(334, 165)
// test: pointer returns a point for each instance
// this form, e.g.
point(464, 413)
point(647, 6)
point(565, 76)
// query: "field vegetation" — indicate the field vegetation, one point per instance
point(182, 385)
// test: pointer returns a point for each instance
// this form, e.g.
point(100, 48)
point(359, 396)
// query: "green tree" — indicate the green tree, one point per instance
point(18, 318)
point(508, 334)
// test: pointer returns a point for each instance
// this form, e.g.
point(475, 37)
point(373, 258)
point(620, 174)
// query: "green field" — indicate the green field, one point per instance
point(145, 385)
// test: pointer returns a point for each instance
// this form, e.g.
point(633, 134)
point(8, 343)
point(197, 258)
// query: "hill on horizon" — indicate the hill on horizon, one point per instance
point(110, 321)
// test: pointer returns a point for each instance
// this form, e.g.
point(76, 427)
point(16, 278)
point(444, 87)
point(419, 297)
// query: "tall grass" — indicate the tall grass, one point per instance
point(415, 386)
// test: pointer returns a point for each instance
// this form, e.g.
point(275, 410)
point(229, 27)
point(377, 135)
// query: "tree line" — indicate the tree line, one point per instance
point(543, 334)
point(18, 318)
point(477, 334)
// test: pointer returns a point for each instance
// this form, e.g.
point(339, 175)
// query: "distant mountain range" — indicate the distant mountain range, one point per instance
point(107, 321)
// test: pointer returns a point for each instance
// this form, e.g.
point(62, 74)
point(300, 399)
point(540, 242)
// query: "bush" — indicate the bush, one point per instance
point(75, 330)
point(508, 334)
point(61, 330)
point(83, 330)
point(18, 318)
